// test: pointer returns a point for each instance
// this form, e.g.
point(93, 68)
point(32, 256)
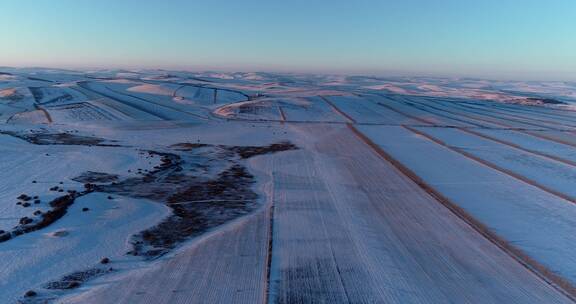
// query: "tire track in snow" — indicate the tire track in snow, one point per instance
point(269, 254)
point(48, 117)
point(282, 115)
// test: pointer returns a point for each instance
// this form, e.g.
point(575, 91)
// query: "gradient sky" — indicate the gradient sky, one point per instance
point(524, 39)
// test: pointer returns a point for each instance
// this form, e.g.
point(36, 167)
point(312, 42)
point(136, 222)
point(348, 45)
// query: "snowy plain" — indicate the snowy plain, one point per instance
point(157, 186)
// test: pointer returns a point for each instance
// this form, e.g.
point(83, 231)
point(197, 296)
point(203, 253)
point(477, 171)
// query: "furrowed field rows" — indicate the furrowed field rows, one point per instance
point(366, 233)
point(538, 223)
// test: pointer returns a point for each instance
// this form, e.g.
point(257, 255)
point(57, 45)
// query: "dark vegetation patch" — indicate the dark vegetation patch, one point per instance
point(188, 146)
point(41, 220)
point(205, 186)
point(96, 177)
point(43, 138)
point(68, 282)
point(155, 184)
point(180, 181)
point(60, 233)
point(199, 206)
point(252, 108)
point(62, 139)
point(4, 236)
point(76, 279)
point(247, 152)
point(546, 100)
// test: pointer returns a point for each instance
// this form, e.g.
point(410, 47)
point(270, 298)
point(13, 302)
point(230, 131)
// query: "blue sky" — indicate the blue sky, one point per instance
point(524, 39)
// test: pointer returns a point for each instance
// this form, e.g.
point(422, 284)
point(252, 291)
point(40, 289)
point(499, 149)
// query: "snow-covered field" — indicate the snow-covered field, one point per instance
point(157, 186)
